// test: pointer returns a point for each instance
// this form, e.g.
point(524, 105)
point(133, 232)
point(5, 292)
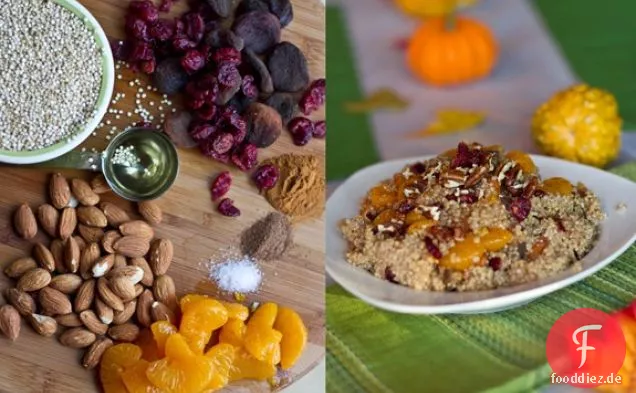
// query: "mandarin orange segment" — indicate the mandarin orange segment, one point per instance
point(294, 331)
point(263, 343)
point(381, 197)
point(222, 357)
point(419, 226)
point(199, 320)
point(265, 315)
point(557, 185)
point(450, 153)
point(386, 216)
point(161, 330)
point(414, 216)
point(470, 251)
point(233, 332)
point(523, 159)
point(496, 239)
point(114, 361)
point(236, 311)
point(190, 299)
point(136, 381)
point(247, 367)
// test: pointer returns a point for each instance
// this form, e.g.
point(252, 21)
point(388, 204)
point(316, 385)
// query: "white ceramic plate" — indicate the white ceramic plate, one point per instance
point(103, 99)
point(618, 232)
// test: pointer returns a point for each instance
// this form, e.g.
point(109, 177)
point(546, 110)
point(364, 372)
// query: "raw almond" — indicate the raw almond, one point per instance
point(87, 259)
point(43, 257)
point(59, 191)
point(66, 283)
point(123, 288)
point(99, 184)
point(161, 312)
point(10, 322)
point(120, 261)
point(103, 265)
point(150, 211)
point(48, 216)
point(114, 214)
point(161, 253)
point(138, 289)
point(54, 302)
point(137, 228)
point(124, 316)
point(94, 354)
point(22, 301)
point(20, 266)
point(42, 324)
point(144, 304)
point(57, 249)
point(81, 243)
point(165, 292)
point(92, 322)
point(71, 255)
point(134, 274)
point(132, 246)
point(69, 320)
point(24, 222)
point(107, 295)
point(104, 312)
point(109, 238)
point(68, 222)
point(84, 193)
point(85, 296)
point(148, 277)
point(91, 216)
point(77, 338)
point(126, 332)
point(90, 234)
point(34, 280)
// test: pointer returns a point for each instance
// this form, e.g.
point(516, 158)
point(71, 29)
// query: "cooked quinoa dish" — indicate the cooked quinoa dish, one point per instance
point(472, 218)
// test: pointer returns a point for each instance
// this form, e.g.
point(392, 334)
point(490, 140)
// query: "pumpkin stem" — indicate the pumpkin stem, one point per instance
point(450, 21)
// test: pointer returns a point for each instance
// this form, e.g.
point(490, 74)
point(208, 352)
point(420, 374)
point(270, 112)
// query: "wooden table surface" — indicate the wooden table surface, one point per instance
point(34, 364)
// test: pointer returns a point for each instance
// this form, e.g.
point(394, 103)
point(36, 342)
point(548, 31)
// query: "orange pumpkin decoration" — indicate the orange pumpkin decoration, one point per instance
point(452, 50)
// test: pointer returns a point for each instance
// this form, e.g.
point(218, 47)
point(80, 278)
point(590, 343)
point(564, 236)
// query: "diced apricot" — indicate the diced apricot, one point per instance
point(233, 332)
point(291, 325)
point(524, 161)
point(557, 186)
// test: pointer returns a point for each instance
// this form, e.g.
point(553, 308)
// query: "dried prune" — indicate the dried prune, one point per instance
point(282, 9)
point(266, 176)
point(227, 55)
point(202, 131)
point(221, 38)
point(288, 67)
point(192, 61)
point(302, 130)
point(169, 77)
point(245, 158)
point(194, 26)
point(265, 85)
point(222, 8)
point(320, 129)
point(221, 185)
point(264, 124)
point(144, 9)
point(260, 30)
point(162, 30)
point(252, 5)
point(286, 104)
point(176, 127)
point(227, 208)
point(314, 97)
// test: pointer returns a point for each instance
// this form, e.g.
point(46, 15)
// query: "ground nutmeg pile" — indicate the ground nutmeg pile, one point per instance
point(268, 238)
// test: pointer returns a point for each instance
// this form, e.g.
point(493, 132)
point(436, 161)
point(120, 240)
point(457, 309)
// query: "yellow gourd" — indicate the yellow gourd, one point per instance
point(431, 8)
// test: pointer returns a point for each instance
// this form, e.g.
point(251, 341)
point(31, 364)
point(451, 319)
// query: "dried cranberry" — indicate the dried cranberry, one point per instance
point(141, 51)
point(137, 29)
point(405, 207)
point(206, 111)
point(466, 158)
point(559, 224)
point(166, 5)
point(121, 49)
point(314, 97)
point(302, 130)
point(227, 55)
point(248, 87)
point(162, 30)
point(192, 61)
point(520, 208)
point(418, 168)
point(221, 185)
point(228, 75)
point(266, 176)
point(227, 208)
point(494, 263)
point(468, 198)
point(432, 248)
point(207, 82)
point(206, 150)
point(245, 158)
point(148, 66)
point(538, 193)
point(143, 124)
point(194, 26)
point(320, 129)
point(389, 275)
point(222, 142)
point(144, 10)
point(202, 131)
point(182, 44)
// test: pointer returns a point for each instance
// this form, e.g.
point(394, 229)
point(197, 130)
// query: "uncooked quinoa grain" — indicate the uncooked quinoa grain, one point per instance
point(51, 74)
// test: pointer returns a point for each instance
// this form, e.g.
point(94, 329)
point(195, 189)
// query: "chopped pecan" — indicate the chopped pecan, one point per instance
point(476, 176)
point(453, 178)
point(529, 190)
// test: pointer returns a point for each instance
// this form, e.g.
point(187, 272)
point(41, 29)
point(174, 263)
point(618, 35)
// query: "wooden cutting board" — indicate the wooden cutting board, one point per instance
point(34, 364)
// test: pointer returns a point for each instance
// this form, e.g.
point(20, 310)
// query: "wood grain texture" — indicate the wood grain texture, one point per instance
point(34, 364)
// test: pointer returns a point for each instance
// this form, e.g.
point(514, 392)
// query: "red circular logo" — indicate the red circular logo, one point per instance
point(585, 348)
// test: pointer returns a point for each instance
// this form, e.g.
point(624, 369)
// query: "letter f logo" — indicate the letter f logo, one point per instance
point(583, 344)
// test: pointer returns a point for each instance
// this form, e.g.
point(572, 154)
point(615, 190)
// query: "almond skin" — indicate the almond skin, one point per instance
point(66, 283)
point(114, 214)
point(91, 216)
point(121, 317)
point(148, 277)
point(68, 222)
point(94, 354)
point(144, 304)
point(150, 211)
point(57, 249)
point(161, 312)
point(54, 302)
point(43, 257)
point(49, 217)
point(104, 312)
point(123, 288)
point(81, 243)
point(71, 255)
point(92, 322)
point(24, 222)
point(84, 193)
point(126, 332)
point(120, 261)
point(90, 234)
point(69, 320)
point(20, 266)
point(43, 325)
point(22, 301)
point(161, 254)
point(34, 280)
point(164, 291)
point(103, 266)
point(132, 273)
point(107, 295)
point(10, 322)
point(99, 184)
point(137, 228)
point(132, 246)
point(85, 296)
point(109, 238)
point(138, 289)
point(59, 191)
point(77, 338)
point(88, 258)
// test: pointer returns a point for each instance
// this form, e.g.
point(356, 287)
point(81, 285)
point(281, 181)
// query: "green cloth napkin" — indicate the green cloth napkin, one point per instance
point(369, 350)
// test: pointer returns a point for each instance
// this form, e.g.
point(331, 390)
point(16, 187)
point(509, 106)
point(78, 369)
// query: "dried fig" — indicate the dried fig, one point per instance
point(169, 77)
point(286, 104)
point(288, 67)
point(266, 86)
point(264, 124)
point(260, 30)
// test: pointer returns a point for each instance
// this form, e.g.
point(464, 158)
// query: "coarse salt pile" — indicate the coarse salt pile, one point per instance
point(51, 71)
point(241, 275)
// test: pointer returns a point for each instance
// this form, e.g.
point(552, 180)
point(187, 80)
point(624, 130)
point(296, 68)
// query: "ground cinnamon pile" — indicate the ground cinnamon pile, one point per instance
point(268, 238)
point(300, 190)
